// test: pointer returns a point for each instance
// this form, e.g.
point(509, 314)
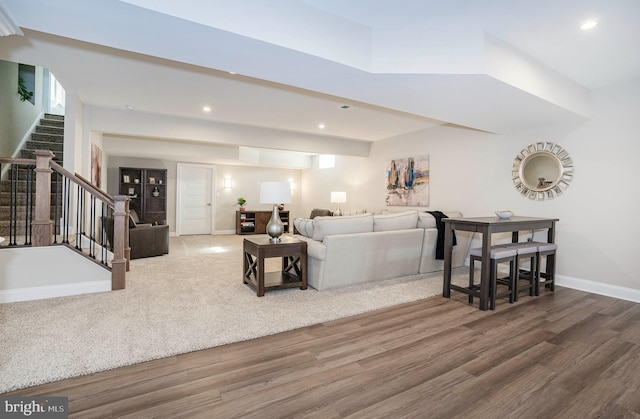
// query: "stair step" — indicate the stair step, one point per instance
point(50, 116)
point(49, 129)
point(30, 154)
point(40, 145)
point(5, 212)
point(47, 138)
point(52, 122)
point(5, 200)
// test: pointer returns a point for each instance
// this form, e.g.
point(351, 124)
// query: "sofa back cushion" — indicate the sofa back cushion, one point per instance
point(327, 226)
point(395, 221)
point(319, 212)
point(304, 226)
point(426, 220)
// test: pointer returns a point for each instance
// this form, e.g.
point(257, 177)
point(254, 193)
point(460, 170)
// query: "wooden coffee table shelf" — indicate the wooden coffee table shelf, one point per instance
point(294, 264)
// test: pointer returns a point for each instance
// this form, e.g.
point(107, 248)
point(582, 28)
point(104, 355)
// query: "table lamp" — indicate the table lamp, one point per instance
point(275, 193)
point(338, 198)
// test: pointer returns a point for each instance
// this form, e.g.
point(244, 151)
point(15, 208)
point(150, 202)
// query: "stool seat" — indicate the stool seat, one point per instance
point(496, 255)
point(545, 247)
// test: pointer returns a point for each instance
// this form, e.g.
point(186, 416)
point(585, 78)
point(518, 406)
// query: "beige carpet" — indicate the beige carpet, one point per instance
point(188, 300)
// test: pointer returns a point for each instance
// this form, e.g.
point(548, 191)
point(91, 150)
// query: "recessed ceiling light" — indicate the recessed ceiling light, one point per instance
point(589, 24)
point(321, 126)
point(130, 107)
point(206, 108)
point(345, 107)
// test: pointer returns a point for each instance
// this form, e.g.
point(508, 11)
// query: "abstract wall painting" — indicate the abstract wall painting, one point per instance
point(96, 165)
point(408, 181)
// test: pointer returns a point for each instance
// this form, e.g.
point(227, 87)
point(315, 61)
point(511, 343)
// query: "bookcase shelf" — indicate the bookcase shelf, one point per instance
point(147, 191)
point(255, 222)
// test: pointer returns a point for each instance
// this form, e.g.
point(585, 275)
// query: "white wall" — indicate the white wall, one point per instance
point(471, 172)
point(17, 118)
point(246, 183)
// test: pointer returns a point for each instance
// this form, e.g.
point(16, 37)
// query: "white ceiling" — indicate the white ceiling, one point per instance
point(402, 65)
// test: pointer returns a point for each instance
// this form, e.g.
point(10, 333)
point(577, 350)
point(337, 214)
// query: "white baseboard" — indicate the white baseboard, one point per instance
point(223, 232)
point(600, 288)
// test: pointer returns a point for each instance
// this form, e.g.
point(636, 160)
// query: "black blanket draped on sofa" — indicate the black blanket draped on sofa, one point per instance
point(439, 215)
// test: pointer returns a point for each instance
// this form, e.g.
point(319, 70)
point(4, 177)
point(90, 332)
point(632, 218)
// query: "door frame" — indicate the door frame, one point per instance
point(179, 211)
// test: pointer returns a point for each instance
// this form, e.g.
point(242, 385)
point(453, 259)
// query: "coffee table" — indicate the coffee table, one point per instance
point(294, 263)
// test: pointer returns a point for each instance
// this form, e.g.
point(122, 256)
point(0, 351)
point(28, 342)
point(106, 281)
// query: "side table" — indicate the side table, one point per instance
point(294, 263)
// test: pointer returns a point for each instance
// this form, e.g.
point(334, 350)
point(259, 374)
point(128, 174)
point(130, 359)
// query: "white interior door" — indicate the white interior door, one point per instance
point(195, 199)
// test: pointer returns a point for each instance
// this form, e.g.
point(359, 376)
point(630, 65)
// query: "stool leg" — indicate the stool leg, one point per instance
point(493, 285)
point(514, 275)
point(537, 274)
point(532, 276)
point(471, 272)
point(551, 271)
point(514, 283)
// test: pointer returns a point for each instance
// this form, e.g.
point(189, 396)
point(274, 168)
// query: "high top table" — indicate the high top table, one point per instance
point(487, 226)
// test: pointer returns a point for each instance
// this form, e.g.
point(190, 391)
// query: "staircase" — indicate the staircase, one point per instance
point(48, 135)
point(70, 217)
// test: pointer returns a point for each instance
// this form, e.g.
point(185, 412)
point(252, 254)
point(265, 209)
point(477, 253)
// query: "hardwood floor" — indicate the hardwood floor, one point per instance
point(564, 355)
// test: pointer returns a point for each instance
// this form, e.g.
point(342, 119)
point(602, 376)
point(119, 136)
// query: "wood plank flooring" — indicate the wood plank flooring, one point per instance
point(567, 354)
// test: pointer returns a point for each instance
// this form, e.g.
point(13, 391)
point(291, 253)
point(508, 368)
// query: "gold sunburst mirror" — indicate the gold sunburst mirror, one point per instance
point(542, 171)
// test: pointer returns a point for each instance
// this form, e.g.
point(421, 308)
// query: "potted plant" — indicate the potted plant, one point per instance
point(24, 93)
point(242, 202)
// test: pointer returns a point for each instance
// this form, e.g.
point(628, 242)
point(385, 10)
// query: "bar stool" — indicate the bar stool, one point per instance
point(549, 251)
point(497, 255)
point(525, 250)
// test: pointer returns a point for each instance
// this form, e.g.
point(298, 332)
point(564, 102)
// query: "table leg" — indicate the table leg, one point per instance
point(486, 269)
point(260, 274)
point(448, 249)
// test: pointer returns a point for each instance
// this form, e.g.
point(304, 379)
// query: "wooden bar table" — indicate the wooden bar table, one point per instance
point(294, 263)
point(487, 226)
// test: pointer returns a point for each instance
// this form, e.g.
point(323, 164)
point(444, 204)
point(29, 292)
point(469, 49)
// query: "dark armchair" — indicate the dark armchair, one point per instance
point(145, 240)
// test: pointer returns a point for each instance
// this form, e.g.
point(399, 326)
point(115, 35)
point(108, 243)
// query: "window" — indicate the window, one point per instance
point(326, 161)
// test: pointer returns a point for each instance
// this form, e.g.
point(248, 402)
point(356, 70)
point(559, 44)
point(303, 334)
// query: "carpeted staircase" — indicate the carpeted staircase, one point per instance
point(48, 135)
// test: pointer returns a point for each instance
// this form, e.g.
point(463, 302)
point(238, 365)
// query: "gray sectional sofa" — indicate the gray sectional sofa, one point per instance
point(349, 250)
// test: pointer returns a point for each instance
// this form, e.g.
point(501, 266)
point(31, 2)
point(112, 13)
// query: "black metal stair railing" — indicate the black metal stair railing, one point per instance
point(17, 201)
point(80, 219)
point(85, 216)
point(43, 204)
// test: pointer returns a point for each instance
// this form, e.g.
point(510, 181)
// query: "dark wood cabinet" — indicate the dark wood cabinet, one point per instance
point(147, 191)
point(255, 222)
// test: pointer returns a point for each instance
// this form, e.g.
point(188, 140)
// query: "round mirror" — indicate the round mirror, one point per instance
point(542, 171)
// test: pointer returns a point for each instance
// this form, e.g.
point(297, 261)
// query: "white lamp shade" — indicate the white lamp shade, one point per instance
point(339, 197)
point(275, 193)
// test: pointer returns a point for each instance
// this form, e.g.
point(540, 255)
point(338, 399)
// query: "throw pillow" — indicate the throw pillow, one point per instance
point(395, 221)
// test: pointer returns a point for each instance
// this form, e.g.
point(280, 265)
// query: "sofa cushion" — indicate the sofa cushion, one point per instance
point(319, 212)
point(395, 221)
point(304, 226)
point(327, 226)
